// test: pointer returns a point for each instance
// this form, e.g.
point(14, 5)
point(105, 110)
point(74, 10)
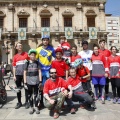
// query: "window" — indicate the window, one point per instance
point(67, 22)
point(22, 22)
point(45, 22)
point(91, 21)
point(1, 22)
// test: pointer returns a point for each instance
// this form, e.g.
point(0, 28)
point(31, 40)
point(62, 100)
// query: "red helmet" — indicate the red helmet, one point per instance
point(59, 50)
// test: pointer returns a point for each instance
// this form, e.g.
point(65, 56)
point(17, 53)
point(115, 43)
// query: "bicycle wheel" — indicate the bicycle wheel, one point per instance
point(3, 95)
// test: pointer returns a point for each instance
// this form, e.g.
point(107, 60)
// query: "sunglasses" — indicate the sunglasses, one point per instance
point(53, 72)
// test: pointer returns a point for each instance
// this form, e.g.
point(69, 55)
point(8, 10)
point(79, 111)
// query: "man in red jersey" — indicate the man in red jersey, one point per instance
point(79, 94)
point(55, 91)
point(19, 60)
point(106, 53)
point(60, 65)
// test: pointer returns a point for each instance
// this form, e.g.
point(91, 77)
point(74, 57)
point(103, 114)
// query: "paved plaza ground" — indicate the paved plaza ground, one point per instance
point(107, 111)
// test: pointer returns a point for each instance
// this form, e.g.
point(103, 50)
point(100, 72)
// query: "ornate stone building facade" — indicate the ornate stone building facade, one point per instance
point(55, 16)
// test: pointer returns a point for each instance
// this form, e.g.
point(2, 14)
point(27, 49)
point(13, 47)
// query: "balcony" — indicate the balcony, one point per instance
point(53, 30)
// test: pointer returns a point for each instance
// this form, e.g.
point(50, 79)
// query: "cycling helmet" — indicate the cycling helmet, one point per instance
point(45, 37)
point(78, 62)
point(32, 51)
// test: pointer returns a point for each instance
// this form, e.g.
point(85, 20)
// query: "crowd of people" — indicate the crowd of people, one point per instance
point(63, 74)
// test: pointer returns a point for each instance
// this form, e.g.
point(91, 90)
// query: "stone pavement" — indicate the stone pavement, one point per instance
point(107, 111)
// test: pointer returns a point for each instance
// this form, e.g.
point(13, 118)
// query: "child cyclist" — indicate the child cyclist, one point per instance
point(32, 79)
point(60, 65)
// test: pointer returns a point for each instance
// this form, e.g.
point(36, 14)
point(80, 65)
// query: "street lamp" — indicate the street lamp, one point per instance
point(6, 48)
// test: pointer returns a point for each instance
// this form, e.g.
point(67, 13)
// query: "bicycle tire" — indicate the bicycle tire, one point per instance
point(3, 95)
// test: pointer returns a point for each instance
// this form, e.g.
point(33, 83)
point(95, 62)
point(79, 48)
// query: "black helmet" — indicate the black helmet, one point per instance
point(84, 42)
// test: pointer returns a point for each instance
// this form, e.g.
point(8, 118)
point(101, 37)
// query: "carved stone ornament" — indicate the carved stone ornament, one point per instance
point(67, 12)
point(79, 6)
point(23, 13)
point(45, 12)
point(11, 6)
point(56, 8)
point(101, 7)
point(2, 14)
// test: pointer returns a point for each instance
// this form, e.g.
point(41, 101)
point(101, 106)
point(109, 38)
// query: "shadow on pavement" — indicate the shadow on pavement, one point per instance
point(10, 98)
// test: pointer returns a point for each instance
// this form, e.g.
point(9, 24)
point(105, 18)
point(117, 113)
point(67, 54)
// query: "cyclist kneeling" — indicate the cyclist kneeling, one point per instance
point(78, 93)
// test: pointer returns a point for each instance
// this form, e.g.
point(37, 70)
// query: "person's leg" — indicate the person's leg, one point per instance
point(84, 97)
point(107, 89)
point(30, 97)
point(118, 89)
point(102, 83)
point(102, 92)
point(70, 105)
point(95, 82)
point(45, 76)
point(36, 99)
point(113, 81)
point(18, 85)
point(60, 99)
point(96, 88)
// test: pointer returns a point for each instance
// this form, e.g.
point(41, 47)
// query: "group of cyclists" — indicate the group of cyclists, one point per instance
point(63, 74)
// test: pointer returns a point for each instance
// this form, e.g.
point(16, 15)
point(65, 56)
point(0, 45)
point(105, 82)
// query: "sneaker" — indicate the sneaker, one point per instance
point(118, 101)
point(82, 106)
point(93, 105)
point(95, 98)
point(103, 100)
point(72, 111)
point(37, 110)
point(27, 105)
point(108, 98)
point(31, 111)
point(18, 105)
point(56, 115)
point(114, 101)
point(99, 98)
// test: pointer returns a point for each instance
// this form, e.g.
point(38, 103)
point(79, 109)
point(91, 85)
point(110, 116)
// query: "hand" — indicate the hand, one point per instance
point(14, 78)
point(65, 92)
point(52, 101)
point(40, 85)
point(106, 75)
point(25, 86)
point(70, 94)
point(118, 75)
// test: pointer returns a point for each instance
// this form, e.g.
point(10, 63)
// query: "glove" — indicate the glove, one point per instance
point(40, 84)
point(25, 86)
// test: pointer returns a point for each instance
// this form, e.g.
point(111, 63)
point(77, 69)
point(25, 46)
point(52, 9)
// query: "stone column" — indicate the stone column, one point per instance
point(102, 17)
point(10, 17)
point(80, 15)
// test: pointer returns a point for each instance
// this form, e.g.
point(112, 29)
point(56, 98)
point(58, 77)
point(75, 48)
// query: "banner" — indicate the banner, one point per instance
point(22, 34)
point(68, 32)
point(45, 31)
point(92, 33)
point(0, 33)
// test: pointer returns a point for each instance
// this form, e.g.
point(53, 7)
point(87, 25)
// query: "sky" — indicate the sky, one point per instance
point(113, 7)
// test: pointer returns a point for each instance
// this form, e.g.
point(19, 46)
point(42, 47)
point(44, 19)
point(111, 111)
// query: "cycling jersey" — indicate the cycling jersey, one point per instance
point(44, 56)
point(86, 56)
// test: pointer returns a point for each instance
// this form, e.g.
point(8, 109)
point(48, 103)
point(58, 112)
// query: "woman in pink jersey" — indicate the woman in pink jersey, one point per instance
point(99, 73)
point(114, 74)
point(18, 69)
